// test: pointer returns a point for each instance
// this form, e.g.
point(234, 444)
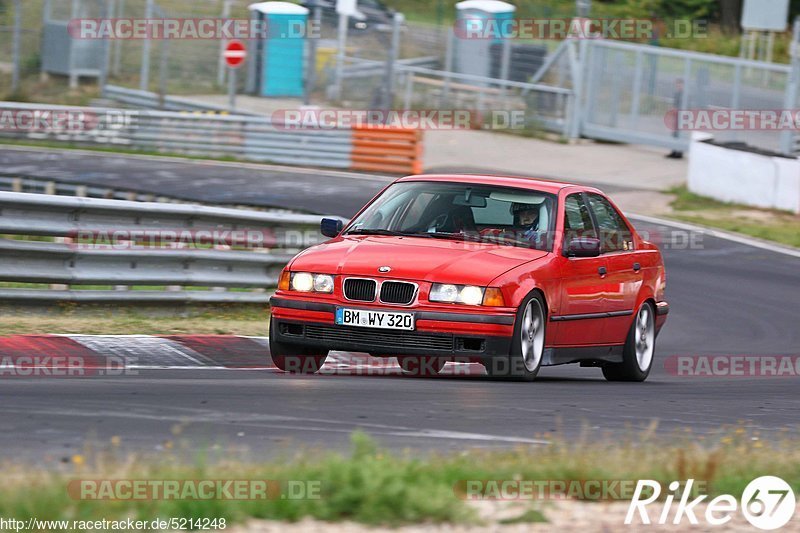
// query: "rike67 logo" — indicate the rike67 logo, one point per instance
point(768, 503)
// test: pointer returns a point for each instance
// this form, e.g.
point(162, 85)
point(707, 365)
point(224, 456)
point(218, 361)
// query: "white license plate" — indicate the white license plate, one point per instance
point(374, 319)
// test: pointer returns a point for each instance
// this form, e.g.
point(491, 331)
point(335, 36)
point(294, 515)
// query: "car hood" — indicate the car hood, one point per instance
point(414, 258)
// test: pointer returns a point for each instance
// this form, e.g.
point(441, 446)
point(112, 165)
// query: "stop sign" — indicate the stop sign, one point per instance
point(235, 53)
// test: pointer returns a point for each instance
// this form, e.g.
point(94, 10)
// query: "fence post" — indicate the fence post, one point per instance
point(108, 13)
point(790, 96)
point(448, 65)
point(16, 46)
point(340, 53)
point(144, 74)
point(409, 90)
point(313, 46)
point(505, 63)
point(687, 74)
point(737, 89)
point(637, 88)
point(581, 65)
point(119, 12)
point(226, 13)
point(394, 52)
point(73, 77)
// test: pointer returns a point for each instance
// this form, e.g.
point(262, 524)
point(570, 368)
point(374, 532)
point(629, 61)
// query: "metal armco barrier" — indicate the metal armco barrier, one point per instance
point(149, 100)
point(240, 136)
point(392, 150)
point(79, 260)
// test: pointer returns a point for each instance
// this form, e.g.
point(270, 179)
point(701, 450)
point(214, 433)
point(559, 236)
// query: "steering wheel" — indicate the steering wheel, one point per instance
point(438, 222)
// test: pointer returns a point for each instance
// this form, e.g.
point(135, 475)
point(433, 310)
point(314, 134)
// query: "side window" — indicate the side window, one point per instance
point(614, 233)
point(577, 220)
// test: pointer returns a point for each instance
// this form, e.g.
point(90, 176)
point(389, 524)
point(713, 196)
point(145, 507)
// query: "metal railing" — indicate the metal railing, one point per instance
point(418, 87)
point(77, 242)
point(240, 136)
point(148, 100)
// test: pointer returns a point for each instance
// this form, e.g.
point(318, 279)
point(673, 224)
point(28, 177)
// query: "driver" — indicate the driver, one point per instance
point(526, 218)
point(525, 228)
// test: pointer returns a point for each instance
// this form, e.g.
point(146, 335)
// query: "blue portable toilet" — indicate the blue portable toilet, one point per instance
point(279, 68)
point(483, 18)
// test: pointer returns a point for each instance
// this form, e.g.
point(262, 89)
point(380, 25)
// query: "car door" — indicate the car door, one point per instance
point(579, 318)
point(624, 279)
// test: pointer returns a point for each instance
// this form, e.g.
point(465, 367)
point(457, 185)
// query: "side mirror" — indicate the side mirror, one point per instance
point(583, 247)
point(331, 227)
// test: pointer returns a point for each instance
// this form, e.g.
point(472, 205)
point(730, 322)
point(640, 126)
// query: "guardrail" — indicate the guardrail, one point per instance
point(148, 100)
point(88, 241)
point(240, 136)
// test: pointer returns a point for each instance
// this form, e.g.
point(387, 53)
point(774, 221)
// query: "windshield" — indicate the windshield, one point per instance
point(501, 215)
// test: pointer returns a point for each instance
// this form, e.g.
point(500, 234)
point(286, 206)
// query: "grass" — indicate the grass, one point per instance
point(70, 318)
point(372, 486)
point(769, 224)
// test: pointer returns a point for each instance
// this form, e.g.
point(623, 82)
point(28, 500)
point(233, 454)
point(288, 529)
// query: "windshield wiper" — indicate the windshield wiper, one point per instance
point(365, 231)
point(446, 235)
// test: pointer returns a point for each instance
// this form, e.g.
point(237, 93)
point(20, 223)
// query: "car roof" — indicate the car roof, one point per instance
point(540, 184)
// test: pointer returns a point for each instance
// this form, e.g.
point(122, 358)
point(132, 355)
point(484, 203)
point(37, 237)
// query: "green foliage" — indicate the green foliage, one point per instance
point(373, 486)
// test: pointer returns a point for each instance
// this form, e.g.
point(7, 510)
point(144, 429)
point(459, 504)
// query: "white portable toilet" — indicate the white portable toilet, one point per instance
point(481, 17)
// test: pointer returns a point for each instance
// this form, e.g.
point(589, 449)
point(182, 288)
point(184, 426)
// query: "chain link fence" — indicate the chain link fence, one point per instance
point(632, 91)
point(603, 89)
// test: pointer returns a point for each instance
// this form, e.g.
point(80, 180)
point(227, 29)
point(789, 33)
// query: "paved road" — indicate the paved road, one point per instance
point(727, 299)
point(200, 181)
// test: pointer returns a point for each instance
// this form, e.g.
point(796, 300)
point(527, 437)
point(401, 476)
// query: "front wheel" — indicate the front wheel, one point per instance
point(527, 347)
point(637, 356)
point(293, 358)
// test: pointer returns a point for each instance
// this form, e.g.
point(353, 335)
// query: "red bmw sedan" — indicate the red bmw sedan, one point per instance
point(509, 272)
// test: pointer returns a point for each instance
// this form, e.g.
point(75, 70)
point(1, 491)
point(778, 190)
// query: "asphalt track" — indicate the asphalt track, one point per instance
point(727, 299)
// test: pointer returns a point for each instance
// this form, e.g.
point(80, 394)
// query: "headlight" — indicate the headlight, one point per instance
point(323, 283)
point(302, 282)
point(465, 294)
point(308, 282)
point(471, 295)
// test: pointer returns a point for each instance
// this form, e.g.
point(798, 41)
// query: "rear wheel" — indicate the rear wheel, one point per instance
point(294, 358)
point(637, 356)
point(527, 348)
point(422, 365)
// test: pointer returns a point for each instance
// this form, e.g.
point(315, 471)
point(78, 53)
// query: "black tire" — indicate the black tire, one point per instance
point(515, 366)
point(630, 369)
point(421, 365)
point(294, 358)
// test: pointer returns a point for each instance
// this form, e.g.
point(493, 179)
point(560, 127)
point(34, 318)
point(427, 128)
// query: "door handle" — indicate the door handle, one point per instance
point(602, 271)
point(637, 267)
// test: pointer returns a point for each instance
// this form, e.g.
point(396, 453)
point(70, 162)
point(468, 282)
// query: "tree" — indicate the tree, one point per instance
point(730, 12)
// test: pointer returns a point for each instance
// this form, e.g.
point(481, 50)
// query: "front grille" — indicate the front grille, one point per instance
point(362, 290)
point(397, 292)
point(384, 339)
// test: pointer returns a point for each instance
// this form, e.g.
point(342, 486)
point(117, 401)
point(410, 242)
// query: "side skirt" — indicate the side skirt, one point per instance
point(586, 355)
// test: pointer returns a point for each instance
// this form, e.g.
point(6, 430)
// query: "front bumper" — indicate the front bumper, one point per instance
point(662, 310)
point(445, 334)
